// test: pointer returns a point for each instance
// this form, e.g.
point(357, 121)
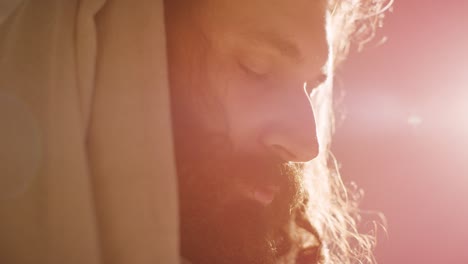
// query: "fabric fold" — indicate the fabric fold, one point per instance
point(86, 162)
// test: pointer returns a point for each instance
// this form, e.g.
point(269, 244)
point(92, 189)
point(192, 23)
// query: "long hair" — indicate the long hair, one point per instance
point(330, 213)
point(332, 208)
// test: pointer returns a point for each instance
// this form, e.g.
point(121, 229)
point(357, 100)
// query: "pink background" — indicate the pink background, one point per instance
point(405, 136)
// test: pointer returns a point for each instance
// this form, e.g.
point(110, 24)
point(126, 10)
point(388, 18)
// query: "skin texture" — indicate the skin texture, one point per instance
point(240, 75)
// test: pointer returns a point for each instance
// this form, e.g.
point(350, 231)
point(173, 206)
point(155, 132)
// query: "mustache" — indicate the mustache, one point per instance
point(214, 152)
point(210, 160)
point(254, 169)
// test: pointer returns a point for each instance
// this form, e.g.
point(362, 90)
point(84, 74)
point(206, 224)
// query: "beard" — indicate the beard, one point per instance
point(217, 224)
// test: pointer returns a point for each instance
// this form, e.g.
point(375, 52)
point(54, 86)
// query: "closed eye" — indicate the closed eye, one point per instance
point(257, 66)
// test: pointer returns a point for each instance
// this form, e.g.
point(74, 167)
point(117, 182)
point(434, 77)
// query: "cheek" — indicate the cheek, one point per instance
point(246, 105)
point(208, 94)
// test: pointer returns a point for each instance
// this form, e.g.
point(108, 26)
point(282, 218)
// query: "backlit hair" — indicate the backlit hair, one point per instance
point(332, 207)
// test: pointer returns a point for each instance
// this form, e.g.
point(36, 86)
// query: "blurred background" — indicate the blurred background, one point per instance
point(402, 131)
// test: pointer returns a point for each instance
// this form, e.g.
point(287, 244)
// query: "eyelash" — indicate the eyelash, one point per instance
point(309, 85)
point(249, 71)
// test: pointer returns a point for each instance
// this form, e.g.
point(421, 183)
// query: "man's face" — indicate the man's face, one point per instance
point(242, 117)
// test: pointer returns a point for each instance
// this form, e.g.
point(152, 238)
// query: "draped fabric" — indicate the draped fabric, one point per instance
point(87, 172)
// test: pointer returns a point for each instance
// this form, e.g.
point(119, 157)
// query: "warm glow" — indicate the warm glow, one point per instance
point(405, 136)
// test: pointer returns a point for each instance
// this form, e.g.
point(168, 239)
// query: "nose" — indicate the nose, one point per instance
point(292, 135)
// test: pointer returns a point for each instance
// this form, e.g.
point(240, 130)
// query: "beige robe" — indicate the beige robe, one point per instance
point(87, 172)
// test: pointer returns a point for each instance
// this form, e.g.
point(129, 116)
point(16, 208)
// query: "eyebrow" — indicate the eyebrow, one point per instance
point(284, 46)
point(287, 48)
point(281, 44)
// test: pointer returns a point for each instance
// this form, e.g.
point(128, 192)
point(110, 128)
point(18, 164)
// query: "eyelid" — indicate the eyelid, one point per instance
point(259, 65)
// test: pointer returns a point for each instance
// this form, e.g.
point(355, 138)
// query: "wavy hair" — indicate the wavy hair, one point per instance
point(332, 208)
point(325, 223)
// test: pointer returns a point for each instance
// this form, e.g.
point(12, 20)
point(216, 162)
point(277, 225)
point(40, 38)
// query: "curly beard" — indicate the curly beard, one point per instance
point(217, 224)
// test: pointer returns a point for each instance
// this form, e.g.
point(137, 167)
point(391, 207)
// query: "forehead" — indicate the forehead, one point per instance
point(297, 27)
point(245, 11)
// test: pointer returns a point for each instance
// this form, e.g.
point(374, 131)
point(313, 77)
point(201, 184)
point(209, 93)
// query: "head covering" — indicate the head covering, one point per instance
point(87, 170)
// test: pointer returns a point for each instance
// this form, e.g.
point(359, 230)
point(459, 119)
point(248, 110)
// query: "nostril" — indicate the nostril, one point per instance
point(283, 153)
